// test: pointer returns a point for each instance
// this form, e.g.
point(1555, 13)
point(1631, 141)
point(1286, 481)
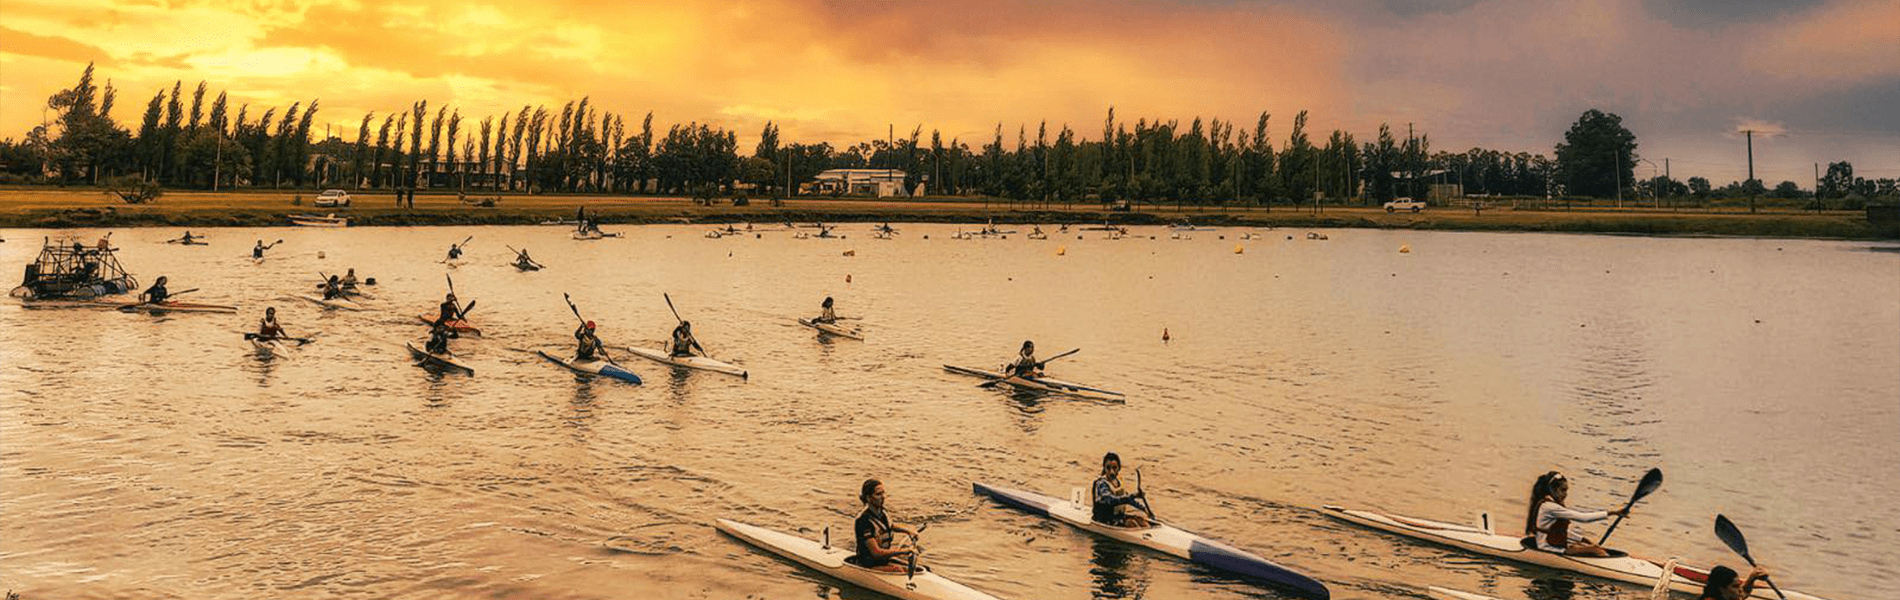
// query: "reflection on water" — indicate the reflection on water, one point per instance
point(154, 457)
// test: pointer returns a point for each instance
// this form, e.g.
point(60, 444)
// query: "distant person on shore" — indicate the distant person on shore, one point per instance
point(1025, 364)
point(157, 293)
point(1113, 505)
point(825, 314)
point(683, 344)
point(876, 542)
point(588, 344)
point(269, 329)
point(1549, 520)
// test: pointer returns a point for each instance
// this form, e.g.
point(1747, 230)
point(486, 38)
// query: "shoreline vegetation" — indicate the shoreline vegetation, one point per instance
point(33, 208)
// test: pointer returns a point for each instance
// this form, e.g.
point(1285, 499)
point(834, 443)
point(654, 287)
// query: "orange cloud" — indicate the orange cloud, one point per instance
point(28, 44)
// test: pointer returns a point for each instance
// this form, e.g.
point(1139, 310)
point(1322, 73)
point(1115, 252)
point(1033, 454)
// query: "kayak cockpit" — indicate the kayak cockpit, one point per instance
point(1530, 543)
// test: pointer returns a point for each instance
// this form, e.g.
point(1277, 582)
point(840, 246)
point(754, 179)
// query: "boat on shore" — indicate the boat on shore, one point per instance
point(330, 220)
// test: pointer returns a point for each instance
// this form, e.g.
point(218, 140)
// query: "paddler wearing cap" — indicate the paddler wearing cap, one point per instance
point(1548, 521)
point(589, 344)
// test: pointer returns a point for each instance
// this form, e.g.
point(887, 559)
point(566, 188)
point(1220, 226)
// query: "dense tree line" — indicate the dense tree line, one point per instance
point(185, 140)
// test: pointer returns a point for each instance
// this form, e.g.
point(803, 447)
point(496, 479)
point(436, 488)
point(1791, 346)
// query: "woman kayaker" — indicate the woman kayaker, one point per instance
point(450, 310)
point(1725, 584)
point(876, 544)
point(1549, 520)
point(439, 335)
point(1113, 505)
point(156, 293)
point(269, 329)
point(825, 314)
point(1025, 364)
point(333, 289)
point(349, 279)
point(683, 343)
point(589, 343)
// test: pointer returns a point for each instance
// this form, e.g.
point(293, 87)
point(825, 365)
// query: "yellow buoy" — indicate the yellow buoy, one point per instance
point(1405, 248)
point(1238, 249)
point(1062, 250)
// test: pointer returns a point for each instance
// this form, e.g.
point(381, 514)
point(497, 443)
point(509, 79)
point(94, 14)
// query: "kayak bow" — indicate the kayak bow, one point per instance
point(461, 326)
point(925, 585)
point(439, 361)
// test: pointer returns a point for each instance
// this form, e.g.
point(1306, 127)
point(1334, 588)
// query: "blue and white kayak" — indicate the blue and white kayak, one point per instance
point(594, 367)
point(1040, 384)
point(1162, 537)
point(830, 560)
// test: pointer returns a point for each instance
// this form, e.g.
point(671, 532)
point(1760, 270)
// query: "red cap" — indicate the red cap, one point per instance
point(590, 324)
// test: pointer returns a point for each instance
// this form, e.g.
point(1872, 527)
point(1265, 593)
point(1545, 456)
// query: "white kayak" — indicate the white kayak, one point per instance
point(268, 348)
point(1041, 384)
point(1658, 591)
point(925, 585)
point(833, 329)
point(602, 368)
point(175, 306)
point(1619, 566)
point(594, 235)
point(1163, 538)
point(443, 362)
point(704, 363)
point(338, 303)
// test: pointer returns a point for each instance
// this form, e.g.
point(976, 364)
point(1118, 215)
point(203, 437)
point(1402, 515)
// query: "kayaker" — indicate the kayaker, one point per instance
point(1725, 584)
point(258, 250)
point(825, 314)
point(450, 310)
point(1549, 520)
point(589, 344)
point(349, 280)
point(187, 239)
point(522, 260)
point(333, 289)
point(269, 329)
point(876, 547)
point(1025, 364)
point(455, 251)
point(439, 335)
point(1113, 505)
point(156, 293)
point(683, 343)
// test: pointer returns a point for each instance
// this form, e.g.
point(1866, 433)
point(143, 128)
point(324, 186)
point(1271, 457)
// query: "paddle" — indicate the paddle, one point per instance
point(577, 315)
point(1039, 364)
point(1144, 498)
point(1651, 480)
point(676, 317)
point(1732, 536)
point(915, 549)
point(461, 311)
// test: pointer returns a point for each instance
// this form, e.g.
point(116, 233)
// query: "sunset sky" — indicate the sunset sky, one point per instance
point(1507, 75)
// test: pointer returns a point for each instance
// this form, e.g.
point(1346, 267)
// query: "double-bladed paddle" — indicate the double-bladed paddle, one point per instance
point(1732, 536)
point(676, 317)
point(577, 315)
point(300, 341)
point(1651, 480)
point(1039, 364)
point(1145, 507)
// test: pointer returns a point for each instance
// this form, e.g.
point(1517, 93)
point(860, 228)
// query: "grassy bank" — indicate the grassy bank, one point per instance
point(51, 208)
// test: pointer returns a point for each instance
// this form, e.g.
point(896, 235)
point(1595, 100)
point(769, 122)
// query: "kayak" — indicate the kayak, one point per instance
point(165, 307)
point(440, 361)
point(593, 235)
point(526, 266)
point(833, 329)
point(1438, 593)
point(594, 367)
point(690, 362)
point(193, 242)
point(461, 326)
point(1619, 566)
point(832, 560)
point(97, 303)
point(339, 303)
point(1162, 537)
point(270, 348)
point(1041, 384)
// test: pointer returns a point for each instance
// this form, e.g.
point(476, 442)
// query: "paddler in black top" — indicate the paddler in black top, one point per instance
point(450, 310)
point(825, 314)
point(522, 260)
point(258, 250)
point(269, 329)
point(455, 251)
point(1025, 364)
point(589, 344)
point(683, 343)
point(332, 289)
point(156, 293)
point(876, 547)
point(439, 335)
point(1725, 584)
point(1113, 505)
point(187, 239)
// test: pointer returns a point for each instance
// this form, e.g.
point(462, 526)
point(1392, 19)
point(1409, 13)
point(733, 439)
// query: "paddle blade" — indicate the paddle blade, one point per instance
point(1651, 480)
point(1732, 537)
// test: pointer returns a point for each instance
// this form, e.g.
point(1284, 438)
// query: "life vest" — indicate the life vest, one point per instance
point(1558, 535)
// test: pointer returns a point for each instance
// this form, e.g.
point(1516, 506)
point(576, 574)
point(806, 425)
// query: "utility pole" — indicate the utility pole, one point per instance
point(1817, 187)
point(1751, 168)
point(217, 163)
point(1666, 174)
point(1617, 170)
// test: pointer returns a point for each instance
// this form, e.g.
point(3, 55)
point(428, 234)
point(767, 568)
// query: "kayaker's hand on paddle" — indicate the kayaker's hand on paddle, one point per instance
point(1621, 512)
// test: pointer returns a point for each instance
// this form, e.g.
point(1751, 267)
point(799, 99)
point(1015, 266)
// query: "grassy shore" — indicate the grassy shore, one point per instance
point(53, 208)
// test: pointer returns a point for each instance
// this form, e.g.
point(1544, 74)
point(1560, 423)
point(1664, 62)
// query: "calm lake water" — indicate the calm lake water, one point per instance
point(158, 457)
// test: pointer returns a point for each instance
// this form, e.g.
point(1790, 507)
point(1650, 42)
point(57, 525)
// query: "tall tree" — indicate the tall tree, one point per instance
point(1597, 155)
point(361, 153)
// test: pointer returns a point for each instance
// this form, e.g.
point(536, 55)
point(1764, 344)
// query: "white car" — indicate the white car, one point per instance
point(1404, 204)
point(333, 198)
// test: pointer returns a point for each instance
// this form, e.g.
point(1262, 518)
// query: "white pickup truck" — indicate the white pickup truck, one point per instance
point(1398, 204)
